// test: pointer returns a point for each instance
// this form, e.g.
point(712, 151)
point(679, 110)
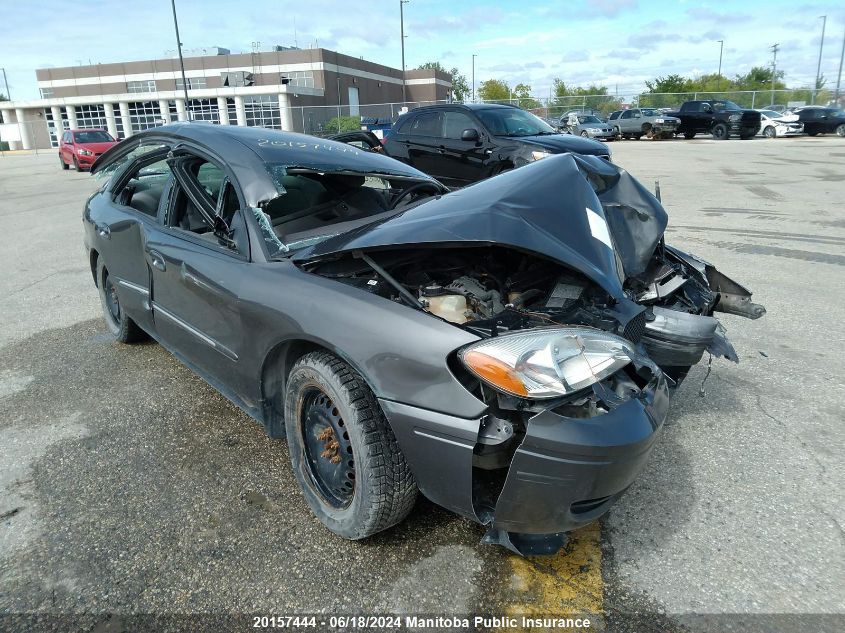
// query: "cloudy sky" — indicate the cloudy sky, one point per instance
point(618, 43)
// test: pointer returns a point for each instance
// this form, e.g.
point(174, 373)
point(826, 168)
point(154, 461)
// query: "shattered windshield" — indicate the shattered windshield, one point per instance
point(314, 205)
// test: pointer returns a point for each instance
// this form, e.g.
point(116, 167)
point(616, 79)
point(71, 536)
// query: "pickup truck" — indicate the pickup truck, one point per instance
point(717, 117)
point(649, 122)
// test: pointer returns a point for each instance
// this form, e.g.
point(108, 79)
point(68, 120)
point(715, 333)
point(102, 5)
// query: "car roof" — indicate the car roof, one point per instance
point(251, 151)
point(88, 129)
point(466, 106)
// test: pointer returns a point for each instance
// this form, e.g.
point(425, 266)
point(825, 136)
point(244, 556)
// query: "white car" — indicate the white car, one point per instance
point(774, 124)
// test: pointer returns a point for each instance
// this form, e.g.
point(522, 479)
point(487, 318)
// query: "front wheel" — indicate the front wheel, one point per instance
point(720, 132)
point(63, 163)
point(121, 327)
point(840, 129)
point(689, 135)
point(584, 134)
point(770, 132)
point(342, 450)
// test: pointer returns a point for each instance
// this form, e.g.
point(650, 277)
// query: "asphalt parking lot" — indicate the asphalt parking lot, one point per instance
point(129, 486)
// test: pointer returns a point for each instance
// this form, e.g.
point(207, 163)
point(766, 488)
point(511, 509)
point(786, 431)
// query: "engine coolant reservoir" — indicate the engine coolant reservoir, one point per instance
point(447, 306)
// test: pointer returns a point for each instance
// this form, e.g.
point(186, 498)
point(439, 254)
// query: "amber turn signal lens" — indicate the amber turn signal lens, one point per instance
point(495, 372)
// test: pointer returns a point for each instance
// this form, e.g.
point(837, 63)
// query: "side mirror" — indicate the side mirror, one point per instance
point(470, 134)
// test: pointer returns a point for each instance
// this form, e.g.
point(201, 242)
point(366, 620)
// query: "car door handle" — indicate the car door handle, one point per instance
point(157, 260)
point(103, 230)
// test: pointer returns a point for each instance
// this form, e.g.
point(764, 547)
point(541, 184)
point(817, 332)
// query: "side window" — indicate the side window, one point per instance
point(66, 137)
point(427, 124)
point(627, 114)
point(455, 122)
point(405, 125)
point(706, 107)
point(145, 186)
point(201, 193)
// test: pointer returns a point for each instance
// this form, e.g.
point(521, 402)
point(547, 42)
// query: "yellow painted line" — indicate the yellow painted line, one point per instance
point(568, 583)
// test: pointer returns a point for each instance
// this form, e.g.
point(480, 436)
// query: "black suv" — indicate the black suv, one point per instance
point(462, 143)
point(822, 120)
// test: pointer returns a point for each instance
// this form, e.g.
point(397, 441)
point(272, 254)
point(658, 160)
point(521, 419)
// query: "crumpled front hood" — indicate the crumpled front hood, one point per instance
point(579, 210)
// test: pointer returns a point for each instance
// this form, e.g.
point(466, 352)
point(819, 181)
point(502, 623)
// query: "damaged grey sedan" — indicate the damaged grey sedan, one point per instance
point(508, 350)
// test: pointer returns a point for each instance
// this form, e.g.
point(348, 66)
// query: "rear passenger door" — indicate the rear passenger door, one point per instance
point(124, 227)
point(422, 142)
point(198, 260)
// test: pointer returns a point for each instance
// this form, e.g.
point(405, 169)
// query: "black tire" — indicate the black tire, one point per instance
point(770, 132)
point(648, 130)
point(637, 136)
point(617, 133)
point(120, 326)
point(813, 133)
point(689, 135)
point(584, 134)
point(720, 132)
point(62, 161)
point(324, 394)
point(75, 164)
point(840, 129)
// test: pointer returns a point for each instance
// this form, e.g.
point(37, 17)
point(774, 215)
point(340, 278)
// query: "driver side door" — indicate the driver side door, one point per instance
point(462, 162)
point(196, 274)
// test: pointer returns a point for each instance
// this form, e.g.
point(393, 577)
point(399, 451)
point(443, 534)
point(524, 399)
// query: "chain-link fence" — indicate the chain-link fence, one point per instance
point(603, 104)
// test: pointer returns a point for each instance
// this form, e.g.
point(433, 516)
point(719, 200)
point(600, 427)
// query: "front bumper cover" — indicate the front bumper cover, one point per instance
point(566, 472)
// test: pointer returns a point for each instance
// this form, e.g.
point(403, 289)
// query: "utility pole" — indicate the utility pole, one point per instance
point(473, 76)
point(774, 69)
point(838, 79)
point(402, 34)
point(819, 67)
point(9, 97)
point(181, 61)
point(719, 74)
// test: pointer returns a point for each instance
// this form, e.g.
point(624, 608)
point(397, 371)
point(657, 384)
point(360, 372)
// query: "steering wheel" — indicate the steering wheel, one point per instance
point(420, 186)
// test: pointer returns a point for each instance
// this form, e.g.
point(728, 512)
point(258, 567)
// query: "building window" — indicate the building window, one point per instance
point(46, 93)
point(298, 79)
point(91, 116)
point(237, 79)
point(51, 127)
point(144, 115)
point(202, 110)
point(263, 111)
point(194, 83)
point(141, 86)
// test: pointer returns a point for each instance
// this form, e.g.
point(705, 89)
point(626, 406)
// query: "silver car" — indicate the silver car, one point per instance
point(590, 126)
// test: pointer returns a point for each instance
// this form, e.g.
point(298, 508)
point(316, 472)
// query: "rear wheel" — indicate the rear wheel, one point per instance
point(648, 130)
point(689, 135)
point(343, 452)
point(720, 132)
point(770, 132)
point(121, 327)
point(63, 163)
point(840, 129)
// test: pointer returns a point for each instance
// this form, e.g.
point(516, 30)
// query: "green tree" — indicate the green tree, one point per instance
point(522, 92)
point(343, 124)
point(494, 90)
point(460, 86)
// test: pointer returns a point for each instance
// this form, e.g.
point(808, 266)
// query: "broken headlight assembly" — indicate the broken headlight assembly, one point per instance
point(547, 362)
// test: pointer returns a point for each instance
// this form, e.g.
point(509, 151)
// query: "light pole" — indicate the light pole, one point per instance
point(819, 67)
point(402, 34)
point(473, 76)
point(838, 78)
point(774, 69)
point(719, 74)
point(9, 97)
point(181, 61)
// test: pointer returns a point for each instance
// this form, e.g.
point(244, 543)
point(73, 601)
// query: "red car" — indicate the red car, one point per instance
point(81, 148)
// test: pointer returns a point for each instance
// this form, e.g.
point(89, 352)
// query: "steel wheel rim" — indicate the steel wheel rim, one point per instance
point(112, 301)
point(328, 451)
point(840, 130)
